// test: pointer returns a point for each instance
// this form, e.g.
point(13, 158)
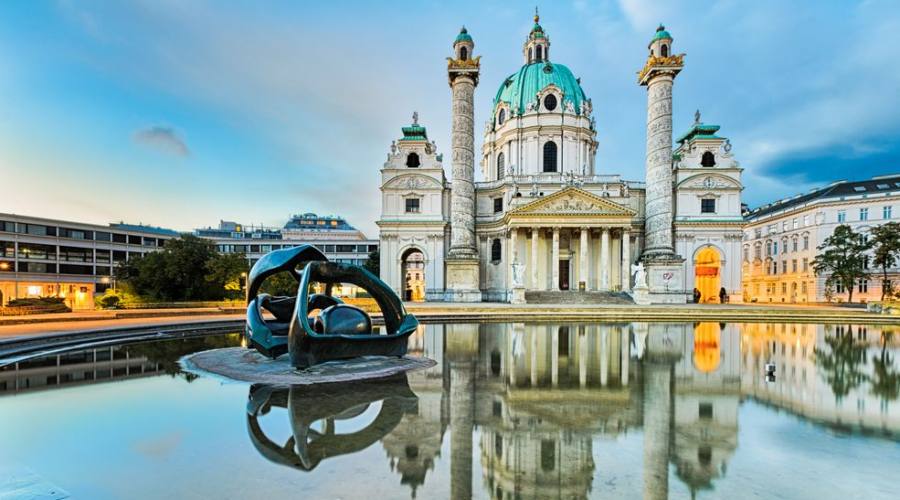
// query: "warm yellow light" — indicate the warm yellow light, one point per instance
point(4, 265)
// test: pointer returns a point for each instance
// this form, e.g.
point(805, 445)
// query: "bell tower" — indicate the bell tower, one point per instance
point(537, 45)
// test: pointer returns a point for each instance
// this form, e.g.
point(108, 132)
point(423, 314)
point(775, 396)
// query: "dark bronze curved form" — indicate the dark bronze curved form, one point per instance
point(339, 331)
point(309, 346)
point(306, 447)
point(270, 337)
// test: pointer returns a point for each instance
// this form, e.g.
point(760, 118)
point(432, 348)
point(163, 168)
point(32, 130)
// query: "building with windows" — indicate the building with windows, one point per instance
point(780, 239)
point(547, 222)
point(333, 235)
point(54, 258)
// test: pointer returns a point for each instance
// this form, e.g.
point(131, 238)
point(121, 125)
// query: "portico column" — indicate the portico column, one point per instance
point(626, 261)
point(555, 262)
point(604, 259)
point(513, 254)
point(583, 259)
point(535, 232)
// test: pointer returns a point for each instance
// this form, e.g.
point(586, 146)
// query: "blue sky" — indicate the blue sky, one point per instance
point(181, 113)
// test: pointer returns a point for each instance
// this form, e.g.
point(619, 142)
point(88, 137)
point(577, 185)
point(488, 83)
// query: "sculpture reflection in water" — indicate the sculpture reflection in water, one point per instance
point(318, 327)
point(306, 405)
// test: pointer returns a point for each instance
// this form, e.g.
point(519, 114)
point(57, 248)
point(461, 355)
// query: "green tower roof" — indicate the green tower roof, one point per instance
point(661, 34)
point(522, 87)
point(463, 36)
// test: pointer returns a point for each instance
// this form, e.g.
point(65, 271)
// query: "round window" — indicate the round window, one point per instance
point(550, 102)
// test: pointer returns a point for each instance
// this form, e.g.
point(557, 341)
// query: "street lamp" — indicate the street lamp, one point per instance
point(4, 266)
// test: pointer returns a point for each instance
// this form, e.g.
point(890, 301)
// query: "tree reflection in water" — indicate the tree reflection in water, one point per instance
point(885, 379)
point(842, 367)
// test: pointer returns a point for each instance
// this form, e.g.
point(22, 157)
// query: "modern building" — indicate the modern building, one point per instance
point(73, 260)
point(336, 238)
point(547, 221)
point(780, 240)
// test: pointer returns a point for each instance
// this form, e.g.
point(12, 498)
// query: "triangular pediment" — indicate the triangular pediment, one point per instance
point(573, 201)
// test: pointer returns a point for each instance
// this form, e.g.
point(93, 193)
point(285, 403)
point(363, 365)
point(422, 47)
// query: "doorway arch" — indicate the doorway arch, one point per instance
point(412, 275)
point(708, 275)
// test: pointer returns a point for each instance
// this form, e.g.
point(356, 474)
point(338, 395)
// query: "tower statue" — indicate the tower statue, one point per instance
point(462, 260)
point(663, 265)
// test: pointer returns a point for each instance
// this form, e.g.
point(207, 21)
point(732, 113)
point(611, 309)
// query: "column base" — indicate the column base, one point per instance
point(664, 282)
point(462, 280)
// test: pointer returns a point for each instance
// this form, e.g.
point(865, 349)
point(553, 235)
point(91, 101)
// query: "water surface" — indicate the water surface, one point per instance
point(626, 410)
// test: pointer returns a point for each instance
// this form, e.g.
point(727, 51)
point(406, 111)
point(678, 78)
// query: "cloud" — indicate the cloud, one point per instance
point(163, 139)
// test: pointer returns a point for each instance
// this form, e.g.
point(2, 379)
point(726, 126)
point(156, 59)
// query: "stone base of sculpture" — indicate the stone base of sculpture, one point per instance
point(462, 281)
point(517, 295)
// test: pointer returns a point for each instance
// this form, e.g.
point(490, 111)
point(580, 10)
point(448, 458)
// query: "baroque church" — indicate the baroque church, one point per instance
point(547, 223)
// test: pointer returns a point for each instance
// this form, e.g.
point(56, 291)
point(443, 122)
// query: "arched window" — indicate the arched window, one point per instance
point(530, 55)
point(501, 117)
point(550, 102)
point(495, 250)
point(500, 160)
point(708, 159)
point(665, 50)
point(550, 156)
point(463, 53)
point(540, 52)
point(412, 160)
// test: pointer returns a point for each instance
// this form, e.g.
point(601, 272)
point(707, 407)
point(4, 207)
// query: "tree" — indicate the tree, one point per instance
point(886, 245)
point(373, 265)
point(177, 272)
point(841, 257)
point(224, 272)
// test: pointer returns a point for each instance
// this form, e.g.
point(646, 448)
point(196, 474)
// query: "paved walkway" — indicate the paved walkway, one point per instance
point(86, 324)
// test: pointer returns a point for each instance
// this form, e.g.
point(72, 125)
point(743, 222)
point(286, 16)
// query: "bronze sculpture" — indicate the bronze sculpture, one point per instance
point(339, 330)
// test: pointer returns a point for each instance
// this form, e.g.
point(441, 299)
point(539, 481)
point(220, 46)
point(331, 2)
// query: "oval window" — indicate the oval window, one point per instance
point(501, 117)
point(550, 102)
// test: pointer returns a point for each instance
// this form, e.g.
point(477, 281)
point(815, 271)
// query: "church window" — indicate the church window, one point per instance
point(463, 53)
point(540, 53)
point(708, 159)
point(412, 160)
point(550, 156)
point(412, 205)
point(501, 117)
point(665, 50)
point(550, 102)
point(708, 206)
point(498, 205)
point(496, 250)
point(501, 159)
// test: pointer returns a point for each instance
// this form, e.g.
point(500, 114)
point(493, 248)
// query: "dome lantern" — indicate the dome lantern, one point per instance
point(537, 45)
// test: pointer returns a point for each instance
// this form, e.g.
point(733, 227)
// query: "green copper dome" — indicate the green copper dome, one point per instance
point(661, 34)
point(523, 86)
point(463, 36)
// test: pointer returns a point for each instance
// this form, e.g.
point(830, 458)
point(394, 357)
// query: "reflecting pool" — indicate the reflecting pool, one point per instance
point(516, 410)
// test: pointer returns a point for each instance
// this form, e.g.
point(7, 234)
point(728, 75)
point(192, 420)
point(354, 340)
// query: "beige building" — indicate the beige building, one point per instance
point(780, 240)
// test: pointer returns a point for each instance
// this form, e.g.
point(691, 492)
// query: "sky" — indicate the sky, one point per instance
point(180, 113)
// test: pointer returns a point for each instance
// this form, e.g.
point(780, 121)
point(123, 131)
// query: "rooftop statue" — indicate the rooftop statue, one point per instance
point(317, 327)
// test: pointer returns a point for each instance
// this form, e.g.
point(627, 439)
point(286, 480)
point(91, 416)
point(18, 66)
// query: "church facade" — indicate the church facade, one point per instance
point(546, 222)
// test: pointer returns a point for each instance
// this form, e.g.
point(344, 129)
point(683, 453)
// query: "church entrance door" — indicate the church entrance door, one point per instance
point(563, 274)
point(707, 275)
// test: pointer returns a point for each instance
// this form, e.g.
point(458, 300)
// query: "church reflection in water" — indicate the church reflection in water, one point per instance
point(529, 403)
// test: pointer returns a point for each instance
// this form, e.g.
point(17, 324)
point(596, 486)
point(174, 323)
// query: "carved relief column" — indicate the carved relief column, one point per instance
point(555, 262)
point(583, 258)
point(604, 259)
point(463, 269)
point(626, 260)
point(535, 233)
